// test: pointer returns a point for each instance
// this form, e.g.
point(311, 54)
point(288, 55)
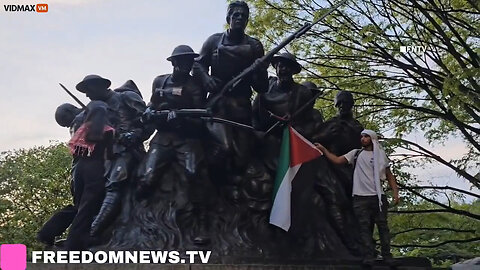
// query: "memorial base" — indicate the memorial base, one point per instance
point(409, 263)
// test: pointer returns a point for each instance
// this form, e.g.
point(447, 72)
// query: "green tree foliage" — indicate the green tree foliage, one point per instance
point(440, 236)
point(34, 183)
point(357, 48)
point(435, 93)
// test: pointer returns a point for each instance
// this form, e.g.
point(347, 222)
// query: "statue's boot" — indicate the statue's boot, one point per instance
point(143, 190)
point(47, 241)
point(347, 239)
point(232, 189)
point(201, 235)
point(107, 213)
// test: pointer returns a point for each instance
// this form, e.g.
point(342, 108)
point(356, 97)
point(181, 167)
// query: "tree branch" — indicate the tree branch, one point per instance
point(460, 172)
point(439, 244)
point(419, 211)
point(448, 208)
point(446, 187)
point(433, 229)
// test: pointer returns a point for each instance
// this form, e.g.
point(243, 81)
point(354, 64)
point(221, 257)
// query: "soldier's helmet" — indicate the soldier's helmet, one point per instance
point(287, 58)
point(344, 97)
point(182, 50)
point(94, 81)
point(65, 114)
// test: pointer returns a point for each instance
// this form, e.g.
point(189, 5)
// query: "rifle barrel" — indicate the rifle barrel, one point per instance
point(296, 113)
point(73, 96)
point(332, 9)
point(228, 122)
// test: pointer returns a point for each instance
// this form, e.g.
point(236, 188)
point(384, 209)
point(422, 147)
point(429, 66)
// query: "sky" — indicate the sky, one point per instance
point(119, 40)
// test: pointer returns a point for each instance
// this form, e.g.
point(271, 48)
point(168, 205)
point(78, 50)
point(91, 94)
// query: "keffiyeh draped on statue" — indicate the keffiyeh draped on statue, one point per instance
point(79, 145)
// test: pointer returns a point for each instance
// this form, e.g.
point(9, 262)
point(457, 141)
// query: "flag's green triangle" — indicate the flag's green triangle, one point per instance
point(283, 161)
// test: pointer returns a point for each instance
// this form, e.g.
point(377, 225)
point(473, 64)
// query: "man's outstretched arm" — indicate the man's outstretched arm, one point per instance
point(332, 157)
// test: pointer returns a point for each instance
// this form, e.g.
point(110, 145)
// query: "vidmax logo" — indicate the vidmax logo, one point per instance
point(40, 8)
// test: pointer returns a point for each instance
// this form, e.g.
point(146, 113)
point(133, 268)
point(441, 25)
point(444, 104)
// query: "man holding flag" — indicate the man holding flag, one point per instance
point(369, 201)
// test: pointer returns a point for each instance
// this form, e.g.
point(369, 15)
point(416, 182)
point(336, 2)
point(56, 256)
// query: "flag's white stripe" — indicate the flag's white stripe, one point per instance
point(280, 215)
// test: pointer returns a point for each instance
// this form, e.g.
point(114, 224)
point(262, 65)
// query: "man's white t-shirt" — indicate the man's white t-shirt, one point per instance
point(363, 179)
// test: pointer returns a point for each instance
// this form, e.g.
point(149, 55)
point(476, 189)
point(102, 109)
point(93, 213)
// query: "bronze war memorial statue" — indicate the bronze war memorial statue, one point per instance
point(205, 180)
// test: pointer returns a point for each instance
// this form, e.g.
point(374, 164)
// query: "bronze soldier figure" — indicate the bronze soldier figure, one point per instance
point(343, 125)
point(226, 55)
point(340, 134)
point(125, 109)
point(284, 97)
point(70, 116)
point(178, 137)
point(89, 145)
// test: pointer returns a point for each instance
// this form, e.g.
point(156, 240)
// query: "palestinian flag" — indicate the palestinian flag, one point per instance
point(294, 151)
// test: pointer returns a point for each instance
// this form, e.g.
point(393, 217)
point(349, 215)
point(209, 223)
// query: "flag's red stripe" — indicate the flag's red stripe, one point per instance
point(301, 150)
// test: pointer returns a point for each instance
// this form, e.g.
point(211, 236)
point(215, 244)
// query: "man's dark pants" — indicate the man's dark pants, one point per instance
point(368, 213)
point(57, 224)
point(61, 220)
point(89, 194)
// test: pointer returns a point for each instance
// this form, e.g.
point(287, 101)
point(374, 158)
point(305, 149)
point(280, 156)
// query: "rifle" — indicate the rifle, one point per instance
point(300, 32)
point(204, 114)
point(228, 122)
point(295, 114)
point(162, 114)
point(73, 96)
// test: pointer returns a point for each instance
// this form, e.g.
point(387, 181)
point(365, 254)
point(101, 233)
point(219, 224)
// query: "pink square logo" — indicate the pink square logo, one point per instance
point(13, 257)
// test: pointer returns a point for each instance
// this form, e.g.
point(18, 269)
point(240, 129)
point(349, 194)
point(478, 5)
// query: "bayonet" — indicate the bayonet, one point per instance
point(73, 96)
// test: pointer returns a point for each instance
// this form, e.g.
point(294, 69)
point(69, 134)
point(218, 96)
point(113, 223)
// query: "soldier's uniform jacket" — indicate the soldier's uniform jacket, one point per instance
point(344, 138)
point(228, 60)
point(125, 110)
point(280, 102)
point(169, 95)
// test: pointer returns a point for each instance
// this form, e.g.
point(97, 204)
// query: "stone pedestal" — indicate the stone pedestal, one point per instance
point(401, 264)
